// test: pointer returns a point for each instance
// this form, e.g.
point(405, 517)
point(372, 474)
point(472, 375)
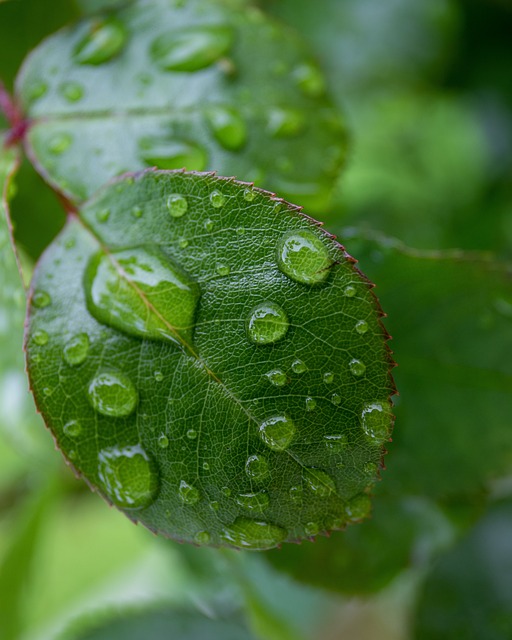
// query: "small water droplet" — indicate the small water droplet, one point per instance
point(72, 429)
point(371, 469)
point(253, 501)
point(41, 299)
point(214, 505)
point(191, 434)
point(76, 349)
point(251, 534)
point(311, 528)
point(36, 90)
point(349, 291)
point(163, 441)
point(217, 199)
point(103, 215)
point(192, 48)
point(47, 391)
point(256, 467)
point(240, 231)
point(319, 482)
point(72, 454)
point(310, 404)
point(277, 432)
point(310, 80)
point(336, 399)
point(267, 323)
point(183, 243)
point(188, 494)
point(105, 40)
point(59, 143)
point(377, 421)
point(206, 466)
point(70, 243)
point(158, 375)
point(277, 377)
point(71, 91)
point(202, 537)
point(226, 491)
point(296, 493)
point(359, 507)
point(40, 338)
point(209, 225)
point(286, 122)
point(336, 443)
point(128, 476)
point(137, 212)
point(361, 327)
point(112, 394)
point(298, 366)
point(227, 126)
point(249, 194)
point(172, 154)
point(328, 377)
point(357, 367)
point(303, 257)
point(223, 269)
point(177, 205)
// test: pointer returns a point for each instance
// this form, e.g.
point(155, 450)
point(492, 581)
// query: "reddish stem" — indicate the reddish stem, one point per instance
point(14, 116)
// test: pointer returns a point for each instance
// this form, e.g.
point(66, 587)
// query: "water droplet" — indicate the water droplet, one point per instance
point(223, 269)
point(163, 441)
point(249, 194)
point(277, 432)
point(105, 40)
point(112, 394)
point(72, 429)
point(361, 327)
point(36, 90)
point(296, 493)
point(251, 534)
point(357, 367)
point(328, 377)
point(177, 205)
point(128, 476)
point(183, 243)
point(359, 507)
point(377, 421)
point(253, 501)
point(209, 225)
point(227, 126)
point(76, 349)
point(41, 299)
point(214, 505)
point(256, 467)
point(277, 377)
point(310, 80)
point(267, 323)
point(70, 243)
point(71, 91)
point(310, 404)
point(47, 391)
point(336, 399)
point(172, 154)
point(303, 257)
point(319, 482)
point(371, 469)
point(158, 375)
point(311, 528)
point(286, 122)
point(103, 215)
point(336, 443)
point(349, 291)
point(217, 199)
point(140, 291)
point(188, 493)
point(137, 212)
point(298, 366)
point(191, 434)
point(191, 49)
point(59, 143)
point(202, 537)
point(72, 454)
point(206, 466)
point(40, 338)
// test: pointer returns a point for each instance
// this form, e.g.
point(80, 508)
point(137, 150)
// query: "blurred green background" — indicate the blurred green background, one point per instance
point(425, 204)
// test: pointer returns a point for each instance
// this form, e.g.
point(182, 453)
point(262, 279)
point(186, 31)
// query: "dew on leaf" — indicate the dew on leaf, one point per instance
point(277, 432)
point(335, 443)
point(298, 366)
point(303, 257)
point(277, 377)
point(172, 154)
point(158, 375)
point(137, 212)
point(310, 404)
point(319, 482)
point(376, 420)
point(105, 40)
point(228, 127)
point(328, 377)
point(361, 327)
point(206, 466)
point(256, 502)
point(41, 299)
point(112, 394)
point(371, 469)
point(217, 199)
point(102, 215)
point(128, 476)
point(226, 491)
point(336, 399)
point(37, 90)
point(202, 537)
point(163, 441)
point(285, 122)
point(141, 292)
point(72, 429)
point(191, 434)
point(253, 535)
point(223, 269)
point(357, 367)
point(311, 528)
point(209, 225)
point(76, 349)
point(191, 49)
point(358, 507)
point(71, 91)
point(188, 494)
point(296, 493)
point(249, 194)
point(40, 337)
point(267, 323)
point(349, 291)
point(59, 143)
point(310, 80)
point(256, 467)
point(177, 205)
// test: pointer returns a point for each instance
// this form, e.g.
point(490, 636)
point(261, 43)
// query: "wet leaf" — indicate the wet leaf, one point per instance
point(196, 347)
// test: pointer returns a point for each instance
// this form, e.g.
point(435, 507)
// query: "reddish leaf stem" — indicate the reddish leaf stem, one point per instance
point(14, 116)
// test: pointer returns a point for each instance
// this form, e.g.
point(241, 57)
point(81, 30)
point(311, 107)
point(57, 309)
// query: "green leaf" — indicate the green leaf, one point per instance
point(469, 592)
point(196, 85)
point(223, 377)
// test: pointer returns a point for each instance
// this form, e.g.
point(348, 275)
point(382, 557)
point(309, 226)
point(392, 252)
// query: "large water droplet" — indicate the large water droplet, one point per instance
point(359, 507)
point(277, 377)
point(227, 126)
point(361, 327)
point(76, 349)
point(256, 467)
point(140, 291)
point(217, 199)
point(112, 394)
point(177, 205)
point(357, 367)
point(223, 269)
point(254, 535)
point(172, 154)
point(277, 432)
point(319, 482)
point(349, 291)
point(128, 476)
point(256, 502)
point(298, 366)
point(285, 122)
point(105, 40)
point(191, 49)
point(188, 494)
point(303, 257)
point(377, 421)
point(267, 323)
point(40, 337)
